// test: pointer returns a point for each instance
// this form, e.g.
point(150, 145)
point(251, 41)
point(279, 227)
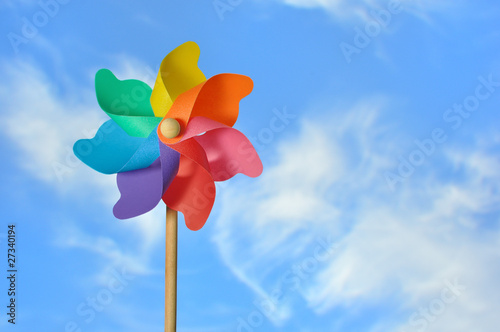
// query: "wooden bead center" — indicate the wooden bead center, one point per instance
point(170, 128)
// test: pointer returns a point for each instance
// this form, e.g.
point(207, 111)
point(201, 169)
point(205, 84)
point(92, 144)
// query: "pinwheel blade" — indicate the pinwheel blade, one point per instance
point(178, 73)
point(141, 190)
point(192, 192)
point(126, 102)
point(112, 150)
point(228, 153)
point(217, 99)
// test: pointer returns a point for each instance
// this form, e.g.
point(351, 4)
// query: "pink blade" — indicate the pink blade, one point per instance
point(229, 152)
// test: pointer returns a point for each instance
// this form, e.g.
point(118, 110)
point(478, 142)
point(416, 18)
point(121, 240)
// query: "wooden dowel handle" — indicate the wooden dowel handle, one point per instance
point(171, 271)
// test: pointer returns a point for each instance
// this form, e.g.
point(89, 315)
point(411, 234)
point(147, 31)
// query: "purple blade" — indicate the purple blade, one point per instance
point(169, 164)
point(141, 190)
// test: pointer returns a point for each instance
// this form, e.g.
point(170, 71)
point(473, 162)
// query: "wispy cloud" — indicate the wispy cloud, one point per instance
point(360, 9)
point(42, 123)
point(19, 3)
point(392, 247)
point(42, 119)
point(146, 231)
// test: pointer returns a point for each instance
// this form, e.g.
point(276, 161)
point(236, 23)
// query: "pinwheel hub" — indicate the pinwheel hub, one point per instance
point(170, 128)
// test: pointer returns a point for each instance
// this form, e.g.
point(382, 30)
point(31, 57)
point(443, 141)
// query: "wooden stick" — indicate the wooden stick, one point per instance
point(171, 271)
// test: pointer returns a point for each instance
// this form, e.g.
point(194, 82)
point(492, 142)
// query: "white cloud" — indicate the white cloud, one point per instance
point(18, 3)
point(130, 68)
point(42, 121)
point(145, 230)
point(347, 9)
point(393, 247)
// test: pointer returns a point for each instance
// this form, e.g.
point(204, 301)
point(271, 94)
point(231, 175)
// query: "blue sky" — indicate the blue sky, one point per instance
point(378, 209)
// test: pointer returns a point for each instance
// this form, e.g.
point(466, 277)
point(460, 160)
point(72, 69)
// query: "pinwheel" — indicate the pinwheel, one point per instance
point(170, 143)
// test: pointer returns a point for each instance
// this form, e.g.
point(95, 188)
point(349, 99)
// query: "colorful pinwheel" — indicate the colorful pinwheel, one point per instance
point(170, 142)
